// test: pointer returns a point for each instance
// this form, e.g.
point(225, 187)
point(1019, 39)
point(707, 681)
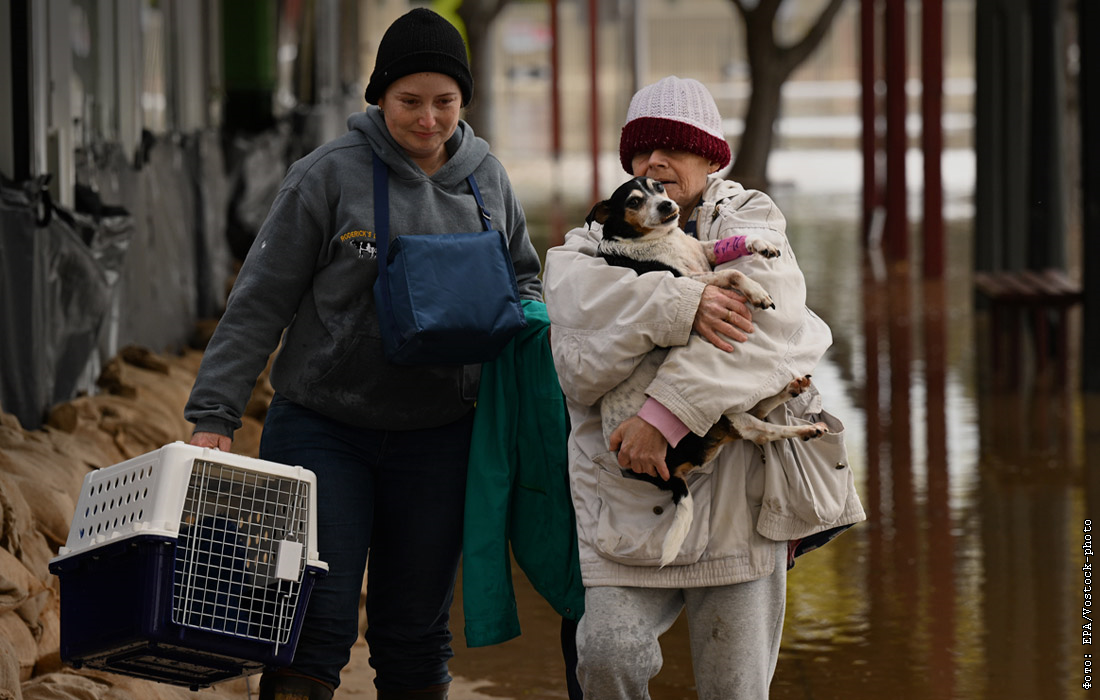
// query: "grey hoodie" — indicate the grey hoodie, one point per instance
point(311, 272)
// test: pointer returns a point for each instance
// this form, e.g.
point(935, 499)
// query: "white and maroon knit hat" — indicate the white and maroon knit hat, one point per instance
point(677, 113)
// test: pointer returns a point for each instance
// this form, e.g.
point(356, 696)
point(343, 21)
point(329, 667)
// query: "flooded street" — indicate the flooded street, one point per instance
point(967, 580)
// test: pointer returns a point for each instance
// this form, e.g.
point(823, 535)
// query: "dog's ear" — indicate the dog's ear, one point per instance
point(599, 213)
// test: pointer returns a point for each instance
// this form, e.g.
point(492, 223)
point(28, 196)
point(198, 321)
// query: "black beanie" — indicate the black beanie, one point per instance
point(420, 41)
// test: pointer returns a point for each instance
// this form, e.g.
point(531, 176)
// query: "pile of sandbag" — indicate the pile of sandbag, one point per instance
point(139, 409)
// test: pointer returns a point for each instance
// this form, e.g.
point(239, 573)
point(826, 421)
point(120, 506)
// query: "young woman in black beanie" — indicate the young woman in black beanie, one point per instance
point(389, 443)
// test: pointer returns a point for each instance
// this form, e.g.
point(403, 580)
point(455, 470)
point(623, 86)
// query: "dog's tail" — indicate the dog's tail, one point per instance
point(677, 533)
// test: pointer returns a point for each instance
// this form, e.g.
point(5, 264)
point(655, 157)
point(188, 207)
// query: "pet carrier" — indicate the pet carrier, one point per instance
point(188, 566)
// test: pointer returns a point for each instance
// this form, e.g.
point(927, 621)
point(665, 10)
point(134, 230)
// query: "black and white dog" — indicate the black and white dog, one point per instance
point(640, 232)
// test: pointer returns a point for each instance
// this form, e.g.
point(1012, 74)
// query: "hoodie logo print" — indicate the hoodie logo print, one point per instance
point(363, 242)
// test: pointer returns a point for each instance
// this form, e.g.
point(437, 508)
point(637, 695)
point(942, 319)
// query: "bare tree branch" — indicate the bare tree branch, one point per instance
point(802, 49)
point(770, 65)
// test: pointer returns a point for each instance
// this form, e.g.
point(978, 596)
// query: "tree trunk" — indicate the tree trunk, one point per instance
point(750, 167)
point(770, 65)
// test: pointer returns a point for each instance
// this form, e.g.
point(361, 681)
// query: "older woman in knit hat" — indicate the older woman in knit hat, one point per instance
point(728, 577)
point(389, 443)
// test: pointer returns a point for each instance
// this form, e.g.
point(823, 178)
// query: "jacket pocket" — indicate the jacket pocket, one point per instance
point(809, 478)
point(635, 516)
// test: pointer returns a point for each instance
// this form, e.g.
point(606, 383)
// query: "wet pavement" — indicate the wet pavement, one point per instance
point(968, 582)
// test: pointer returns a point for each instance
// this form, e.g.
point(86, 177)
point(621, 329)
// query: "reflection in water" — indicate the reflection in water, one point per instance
point(966, 582)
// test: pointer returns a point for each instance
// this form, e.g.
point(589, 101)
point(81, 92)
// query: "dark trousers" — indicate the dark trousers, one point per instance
point(397, 495)
point(569, 654)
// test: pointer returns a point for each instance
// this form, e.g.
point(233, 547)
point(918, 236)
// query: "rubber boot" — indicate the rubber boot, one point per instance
point(285, 684)
point(435, 692)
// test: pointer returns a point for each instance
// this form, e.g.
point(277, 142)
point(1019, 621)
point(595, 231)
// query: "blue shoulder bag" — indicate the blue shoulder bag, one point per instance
point(443, 298)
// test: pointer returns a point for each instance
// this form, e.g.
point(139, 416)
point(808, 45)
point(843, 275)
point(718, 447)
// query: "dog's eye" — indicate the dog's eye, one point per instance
point(658, 187)
point(634, 202)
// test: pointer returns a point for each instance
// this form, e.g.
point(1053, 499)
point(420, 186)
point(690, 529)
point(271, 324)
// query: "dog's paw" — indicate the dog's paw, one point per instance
point(759, 298)
point(752, 291)
point(761, 247)
point(816, 430)
point(797, 386)
point(756, 294)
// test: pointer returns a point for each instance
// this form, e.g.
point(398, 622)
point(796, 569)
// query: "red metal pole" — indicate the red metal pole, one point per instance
point(555, 85)
point(594, 102)
point(557, 215)
point(932, 134)
point(868, 100)
point(897, 140)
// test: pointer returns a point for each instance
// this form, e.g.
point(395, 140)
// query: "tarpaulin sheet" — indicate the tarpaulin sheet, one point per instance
point(145, 254)
point(214, 261)
point(257, 164)
point(178, 262)
point(58, 272)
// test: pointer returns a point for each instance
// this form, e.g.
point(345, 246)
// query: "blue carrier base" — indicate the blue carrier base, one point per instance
point(116, 616)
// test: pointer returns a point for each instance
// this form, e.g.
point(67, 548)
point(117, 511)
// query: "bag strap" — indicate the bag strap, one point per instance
point(382, 227)
point(486, 217)
point(382, 220)
point(382, 208)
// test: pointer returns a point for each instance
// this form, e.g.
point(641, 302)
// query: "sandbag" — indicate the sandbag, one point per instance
point(74, 451)
point(35, 458)
point(35, 555)
point(16, 632)
point(48, 638)
point(53, 507)
point(17, 583)
point(160, 387)
point(9, 672)
point(16, 517)
point(11, 431)
point(79, 421)
point(65, 685)
point(125, 688)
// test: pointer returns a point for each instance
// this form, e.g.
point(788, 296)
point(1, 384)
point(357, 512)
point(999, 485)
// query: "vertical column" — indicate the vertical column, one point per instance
point(249, 50)
point(129, 61)
point(52, 126)
point(1045, 234)
point(594, 63)
point(868, 63)
point(557, 215)
point(15, 90)
point(188, 94)
point(897, 139)
point(1088, 21)
point(932, 134)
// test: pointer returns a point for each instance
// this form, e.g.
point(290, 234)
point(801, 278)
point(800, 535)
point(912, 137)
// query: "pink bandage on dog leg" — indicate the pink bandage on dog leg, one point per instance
point(730, 249)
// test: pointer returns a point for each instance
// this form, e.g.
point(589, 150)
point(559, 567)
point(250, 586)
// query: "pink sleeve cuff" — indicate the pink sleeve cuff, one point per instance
point(730, 249)
point(664, 420)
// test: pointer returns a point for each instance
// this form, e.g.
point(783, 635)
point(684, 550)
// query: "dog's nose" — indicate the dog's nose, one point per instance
point(666, 206)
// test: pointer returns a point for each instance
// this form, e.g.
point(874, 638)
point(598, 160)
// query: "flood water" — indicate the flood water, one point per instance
point(968, 580)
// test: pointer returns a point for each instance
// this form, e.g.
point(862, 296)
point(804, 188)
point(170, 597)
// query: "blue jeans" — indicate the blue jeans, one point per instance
point(399, 495)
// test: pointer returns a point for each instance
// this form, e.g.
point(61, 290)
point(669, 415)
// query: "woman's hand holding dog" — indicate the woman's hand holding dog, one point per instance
point(641, 447)
point(722, 314)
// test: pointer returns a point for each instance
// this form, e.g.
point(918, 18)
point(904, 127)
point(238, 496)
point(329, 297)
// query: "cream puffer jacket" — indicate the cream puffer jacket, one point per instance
point(604, 319)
